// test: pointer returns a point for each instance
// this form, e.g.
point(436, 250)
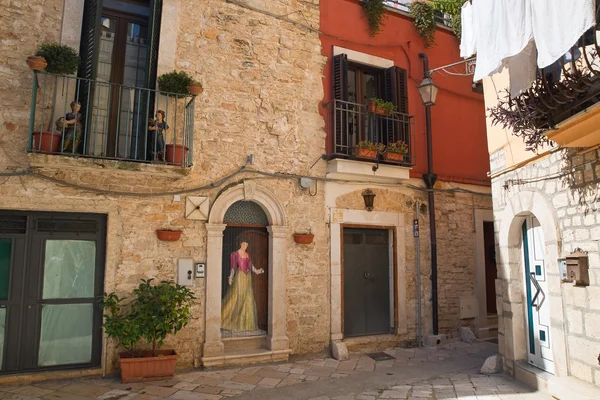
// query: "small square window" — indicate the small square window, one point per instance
point(543, 336)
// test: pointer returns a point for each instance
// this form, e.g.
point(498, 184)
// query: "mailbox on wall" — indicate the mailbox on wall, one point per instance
point(577, 268)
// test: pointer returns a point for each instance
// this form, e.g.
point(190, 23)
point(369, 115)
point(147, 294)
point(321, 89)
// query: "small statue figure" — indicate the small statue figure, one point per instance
point(157, 129)
point(72, 127)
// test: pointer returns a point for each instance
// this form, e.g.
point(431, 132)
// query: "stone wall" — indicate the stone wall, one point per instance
point(262, 81)
point(569, 184)
point(456, 249)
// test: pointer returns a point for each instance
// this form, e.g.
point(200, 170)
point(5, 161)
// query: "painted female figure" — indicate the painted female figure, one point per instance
point(158, 129)
point(238, 310)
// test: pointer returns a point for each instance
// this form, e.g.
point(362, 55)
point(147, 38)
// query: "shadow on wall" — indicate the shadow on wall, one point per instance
point(581, 174)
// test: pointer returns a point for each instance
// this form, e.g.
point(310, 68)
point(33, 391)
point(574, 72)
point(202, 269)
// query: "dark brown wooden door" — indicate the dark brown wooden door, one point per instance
point(366, 282)
point(490, 266)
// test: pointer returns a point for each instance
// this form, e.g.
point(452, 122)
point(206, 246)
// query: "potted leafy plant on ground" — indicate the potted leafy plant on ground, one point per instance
point(395, 151)
point(380, 107)
point(155, 312)
point(366, 149)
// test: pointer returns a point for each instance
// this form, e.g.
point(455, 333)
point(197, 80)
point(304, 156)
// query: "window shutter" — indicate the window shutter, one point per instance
point(90, 39)
point(340, 92)
point(395, 90)
point(153, 40)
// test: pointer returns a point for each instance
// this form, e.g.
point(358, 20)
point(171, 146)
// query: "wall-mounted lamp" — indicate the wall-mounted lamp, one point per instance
point(369, 198)
point(428, 91)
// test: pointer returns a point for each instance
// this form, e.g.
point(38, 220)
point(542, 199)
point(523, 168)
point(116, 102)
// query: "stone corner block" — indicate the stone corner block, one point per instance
point(467, 335)
point(492, 365)
point(339, 350)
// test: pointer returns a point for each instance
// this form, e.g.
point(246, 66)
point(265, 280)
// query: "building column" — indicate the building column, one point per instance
point(277, 338)
point(213, 346)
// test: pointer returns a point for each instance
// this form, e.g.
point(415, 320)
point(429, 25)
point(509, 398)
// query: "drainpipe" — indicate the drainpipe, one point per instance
point(430, 178)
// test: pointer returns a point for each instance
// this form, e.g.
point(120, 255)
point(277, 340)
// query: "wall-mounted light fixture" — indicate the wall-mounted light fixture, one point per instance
point(369, 198)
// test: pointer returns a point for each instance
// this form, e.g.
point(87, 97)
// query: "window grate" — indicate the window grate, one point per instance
point(57, 225)
point(13, 224)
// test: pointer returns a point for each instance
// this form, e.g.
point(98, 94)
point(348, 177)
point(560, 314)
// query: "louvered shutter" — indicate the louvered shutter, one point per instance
point(340, 92)
point(153, 40)
point(88, 51)
point(395, 90)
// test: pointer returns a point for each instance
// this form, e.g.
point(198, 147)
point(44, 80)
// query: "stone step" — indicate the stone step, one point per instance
point(244, 357)
point(244, 343)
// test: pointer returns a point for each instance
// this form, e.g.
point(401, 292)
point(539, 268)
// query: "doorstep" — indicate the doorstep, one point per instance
point(248, 356)
point(531, 376)
point(568, 387)
point(371, 343)
point(27, 378)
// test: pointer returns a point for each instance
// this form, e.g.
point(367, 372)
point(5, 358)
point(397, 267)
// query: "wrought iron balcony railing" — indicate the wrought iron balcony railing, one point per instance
point(561, 90)
point(73, 116)
point(352, 124)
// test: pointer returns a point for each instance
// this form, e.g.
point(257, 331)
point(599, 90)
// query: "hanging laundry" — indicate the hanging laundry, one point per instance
point(558, 25)
point(468, 44)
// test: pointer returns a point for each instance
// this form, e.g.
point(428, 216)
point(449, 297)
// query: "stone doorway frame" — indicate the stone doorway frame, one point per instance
point(512, 325)
point(277, 340)
point(373, 219)
point(481, 216)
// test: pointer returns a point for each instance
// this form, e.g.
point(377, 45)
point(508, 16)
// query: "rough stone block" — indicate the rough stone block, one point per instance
point(467, 335)
point(492, 365)
point(339, 350)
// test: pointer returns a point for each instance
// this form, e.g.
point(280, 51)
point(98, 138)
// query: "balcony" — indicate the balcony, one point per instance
point(351, 123)
point(563, 105)
point(76, 117)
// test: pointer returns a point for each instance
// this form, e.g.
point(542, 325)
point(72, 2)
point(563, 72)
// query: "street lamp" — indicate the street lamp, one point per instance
point(428, 91)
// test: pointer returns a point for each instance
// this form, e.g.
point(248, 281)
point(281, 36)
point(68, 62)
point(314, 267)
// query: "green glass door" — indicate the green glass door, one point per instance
point(51, 277)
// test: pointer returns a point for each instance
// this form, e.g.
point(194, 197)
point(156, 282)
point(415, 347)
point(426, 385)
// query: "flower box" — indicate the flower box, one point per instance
point(365, 153)
point(391, 156)
point(147, 368)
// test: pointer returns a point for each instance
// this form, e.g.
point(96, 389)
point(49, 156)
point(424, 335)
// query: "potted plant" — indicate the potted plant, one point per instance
point(60, 59)
point(168, 235)
point(154, 312)
point(395, 151)
point(195, 88)
point(46, 141)
point(304, 238)
point(36, 63)
point(380, 107)
point(175, 83)
point(366, 149)
point(176, 153)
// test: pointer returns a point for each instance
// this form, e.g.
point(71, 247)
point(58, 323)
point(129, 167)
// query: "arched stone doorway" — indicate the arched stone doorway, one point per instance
point(512, 302)
point(277, 343)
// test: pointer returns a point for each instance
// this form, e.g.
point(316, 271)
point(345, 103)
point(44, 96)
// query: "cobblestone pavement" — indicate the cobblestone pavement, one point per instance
point(449, 372)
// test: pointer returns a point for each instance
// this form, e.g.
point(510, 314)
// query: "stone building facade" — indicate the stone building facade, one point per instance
point(258, 127)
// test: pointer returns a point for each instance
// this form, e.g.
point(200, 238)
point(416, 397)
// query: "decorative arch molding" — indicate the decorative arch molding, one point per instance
point(512, 312)
point(277, 341)
point(248, 191)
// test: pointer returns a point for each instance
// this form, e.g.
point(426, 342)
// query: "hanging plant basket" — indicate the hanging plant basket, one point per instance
point(36, 63)
point(303, 238)
point(167, 235)
point(195, 89)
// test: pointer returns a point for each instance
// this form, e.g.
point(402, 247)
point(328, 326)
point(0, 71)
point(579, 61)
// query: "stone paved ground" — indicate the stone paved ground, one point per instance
point(450, 372)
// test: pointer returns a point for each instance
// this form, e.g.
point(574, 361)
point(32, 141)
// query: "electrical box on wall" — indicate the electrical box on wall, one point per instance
point(562, 269)
point(200, 270)
point(185, 272)
point(468, 307)
point(577, 268)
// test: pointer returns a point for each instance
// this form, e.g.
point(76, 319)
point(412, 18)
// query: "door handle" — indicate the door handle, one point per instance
point(537, 293)
point(367, 275)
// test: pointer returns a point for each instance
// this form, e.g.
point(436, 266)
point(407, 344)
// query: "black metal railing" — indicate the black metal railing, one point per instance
point(561, 90)
point(74, 116)
point(352, 123)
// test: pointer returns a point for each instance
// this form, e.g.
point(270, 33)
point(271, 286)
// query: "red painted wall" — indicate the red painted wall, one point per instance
point(458, 118)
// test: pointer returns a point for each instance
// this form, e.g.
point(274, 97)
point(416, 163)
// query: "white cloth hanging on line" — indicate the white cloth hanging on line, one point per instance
point(510, 33)
point(468, 45)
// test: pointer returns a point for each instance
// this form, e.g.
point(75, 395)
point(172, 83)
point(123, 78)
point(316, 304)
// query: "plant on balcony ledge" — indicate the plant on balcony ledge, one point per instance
point(367, 149)
point(175, 83)
point(61, 59)
point(423, 14)
point(380, 107)
point(395, 151)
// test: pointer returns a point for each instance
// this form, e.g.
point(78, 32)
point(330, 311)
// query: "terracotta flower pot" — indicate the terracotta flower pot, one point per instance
point(373, 109)
point(176, 153)
point(167, 235)
point(303, 238)
point(50, 141)
point(145, 368)
point(391, 156)
point(36, 63)
point(195, 89)
point(365, 153)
